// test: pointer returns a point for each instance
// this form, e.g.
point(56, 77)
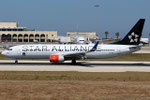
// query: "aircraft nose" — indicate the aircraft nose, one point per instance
point(4, 53)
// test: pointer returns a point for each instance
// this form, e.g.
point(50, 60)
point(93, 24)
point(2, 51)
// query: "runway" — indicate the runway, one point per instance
point(81, 66)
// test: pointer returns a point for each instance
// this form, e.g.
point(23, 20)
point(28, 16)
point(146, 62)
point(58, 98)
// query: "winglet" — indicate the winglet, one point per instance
point(95, 46)
point(93, 41)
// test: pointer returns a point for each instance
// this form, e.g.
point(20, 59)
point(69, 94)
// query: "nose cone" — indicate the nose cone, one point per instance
point(4, 53)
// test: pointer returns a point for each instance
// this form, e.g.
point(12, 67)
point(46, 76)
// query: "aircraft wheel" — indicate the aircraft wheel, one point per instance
point(74, 61)
point(16, 61)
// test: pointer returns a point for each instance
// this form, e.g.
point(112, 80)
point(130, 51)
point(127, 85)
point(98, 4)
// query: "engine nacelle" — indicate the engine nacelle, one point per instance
point(56, 58)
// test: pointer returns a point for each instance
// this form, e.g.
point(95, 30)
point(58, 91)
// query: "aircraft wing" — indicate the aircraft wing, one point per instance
point(81, 54)
point(75, 55)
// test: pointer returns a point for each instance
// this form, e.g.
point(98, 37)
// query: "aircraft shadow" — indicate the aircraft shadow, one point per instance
point(84, 64)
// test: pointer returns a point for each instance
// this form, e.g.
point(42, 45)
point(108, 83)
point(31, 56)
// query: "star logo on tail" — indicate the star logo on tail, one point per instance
point(133, 37)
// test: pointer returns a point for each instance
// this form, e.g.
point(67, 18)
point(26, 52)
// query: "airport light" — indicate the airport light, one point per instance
point(97, 6)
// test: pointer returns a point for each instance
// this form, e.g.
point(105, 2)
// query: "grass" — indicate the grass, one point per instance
point(74, 90)
point(74, 85)
point(78, 76)
point(129, 57)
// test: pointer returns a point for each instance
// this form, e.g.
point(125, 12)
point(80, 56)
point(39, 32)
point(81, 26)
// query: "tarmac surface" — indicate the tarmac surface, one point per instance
point(81, 66)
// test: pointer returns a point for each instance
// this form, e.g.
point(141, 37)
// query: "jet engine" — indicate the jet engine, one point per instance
point(56, 58)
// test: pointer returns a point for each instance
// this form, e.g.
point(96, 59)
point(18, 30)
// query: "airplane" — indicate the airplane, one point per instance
point(58, 53)
point(145, 40)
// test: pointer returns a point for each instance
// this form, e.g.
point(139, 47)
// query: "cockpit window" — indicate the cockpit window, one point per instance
point(9, 49)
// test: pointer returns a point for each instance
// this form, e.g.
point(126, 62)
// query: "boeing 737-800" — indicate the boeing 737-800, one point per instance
point(61, 52)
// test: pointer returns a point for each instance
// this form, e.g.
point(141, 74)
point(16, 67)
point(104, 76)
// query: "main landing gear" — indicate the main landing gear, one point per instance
point(74, 61)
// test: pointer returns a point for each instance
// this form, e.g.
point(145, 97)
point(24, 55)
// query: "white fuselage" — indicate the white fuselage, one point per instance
point(43, 51)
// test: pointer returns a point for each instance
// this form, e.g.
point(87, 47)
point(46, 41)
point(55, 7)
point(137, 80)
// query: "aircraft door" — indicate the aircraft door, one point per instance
point(18, 51)
point(118, 51)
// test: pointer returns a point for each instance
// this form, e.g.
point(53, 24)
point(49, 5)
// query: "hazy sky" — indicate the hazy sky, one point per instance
point(65, 15)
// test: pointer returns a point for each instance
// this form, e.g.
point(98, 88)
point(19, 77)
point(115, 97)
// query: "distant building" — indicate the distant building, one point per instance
point(90, 35)
point(63, 39)
point(10, 32)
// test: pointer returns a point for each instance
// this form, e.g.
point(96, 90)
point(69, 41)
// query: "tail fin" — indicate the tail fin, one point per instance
point(134, 35)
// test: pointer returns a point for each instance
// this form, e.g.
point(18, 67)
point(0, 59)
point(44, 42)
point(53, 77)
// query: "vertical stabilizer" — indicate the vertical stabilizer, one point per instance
point(134, 35)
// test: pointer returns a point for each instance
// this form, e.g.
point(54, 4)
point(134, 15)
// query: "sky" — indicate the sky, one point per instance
point(77, 15)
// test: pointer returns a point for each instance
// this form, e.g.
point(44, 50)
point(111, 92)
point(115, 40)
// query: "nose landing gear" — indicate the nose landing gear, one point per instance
point(16, 61)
